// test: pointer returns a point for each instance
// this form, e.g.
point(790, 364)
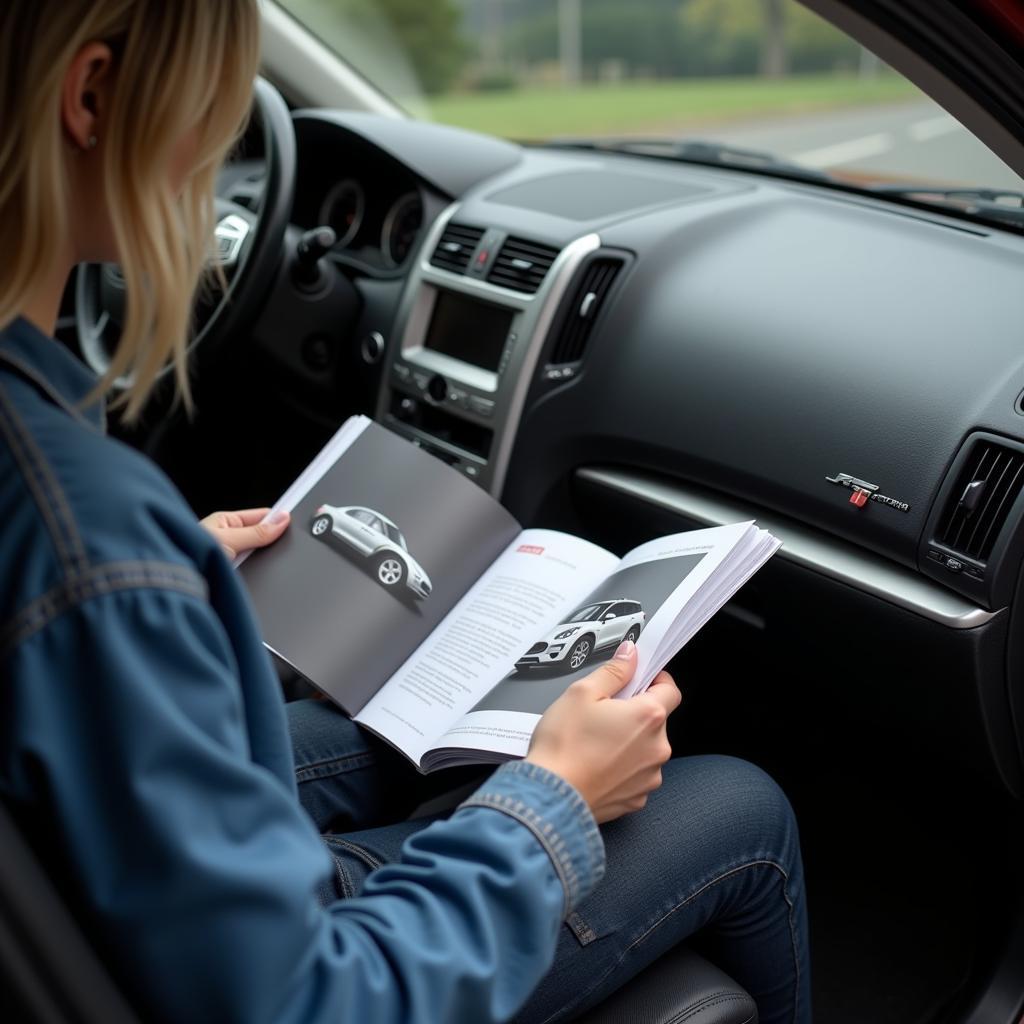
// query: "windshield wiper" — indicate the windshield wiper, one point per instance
point(695, 151)
point(975, 202)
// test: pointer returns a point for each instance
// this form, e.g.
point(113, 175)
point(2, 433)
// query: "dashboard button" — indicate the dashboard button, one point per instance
point(407, 409)
point(954, 564)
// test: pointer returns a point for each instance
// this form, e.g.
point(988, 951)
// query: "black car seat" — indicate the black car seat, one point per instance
point(50, 974)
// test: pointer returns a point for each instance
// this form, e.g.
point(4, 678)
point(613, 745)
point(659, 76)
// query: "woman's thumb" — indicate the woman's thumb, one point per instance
point(238, 539)
point(613, 675)
point(268, 530)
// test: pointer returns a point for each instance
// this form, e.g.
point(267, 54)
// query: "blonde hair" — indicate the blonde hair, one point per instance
point(182, 66)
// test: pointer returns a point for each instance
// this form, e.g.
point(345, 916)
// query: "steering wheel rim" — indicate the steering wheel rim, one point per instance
point(251, 243)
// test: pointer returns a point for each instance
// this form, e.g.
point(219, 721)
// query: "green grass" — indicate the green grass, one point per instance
point(638, 107)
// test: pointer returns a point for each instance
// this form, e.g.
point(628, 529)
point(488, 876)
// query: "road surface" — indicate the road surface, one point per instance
point(914, 141)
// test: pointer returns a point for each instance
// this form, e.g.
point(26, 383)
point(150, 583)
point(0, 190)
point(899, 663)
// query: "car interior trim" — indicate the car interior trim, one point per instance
point(533, 318)
point(312, 69)
point(536, 326)
point(802, 546)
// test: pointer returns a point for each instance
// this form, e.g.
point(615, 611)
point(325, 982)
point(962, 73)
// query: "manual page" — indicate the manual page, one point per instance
point(521, 596)
point(385, 540)
point(658, 595)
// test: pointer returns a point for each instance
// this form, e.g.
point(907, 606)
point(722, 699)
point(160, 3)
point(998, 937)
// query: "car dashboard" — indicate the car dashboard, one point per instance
point(623, 344)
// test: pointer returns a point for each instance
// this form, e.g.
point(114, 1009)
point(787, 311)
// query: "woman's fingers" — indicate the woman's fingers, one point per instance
point(611, 751)
point(246, 529)
point(665, 692)
point(248, 516)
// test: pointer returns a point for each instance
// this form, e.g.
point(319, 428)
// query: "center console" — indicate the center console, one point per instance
point(469, 332)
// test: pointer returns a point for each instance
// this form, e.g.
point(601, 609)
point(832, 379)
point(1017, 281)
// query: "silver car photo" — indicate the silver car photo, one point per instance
point(598, 626)
point(377, 538)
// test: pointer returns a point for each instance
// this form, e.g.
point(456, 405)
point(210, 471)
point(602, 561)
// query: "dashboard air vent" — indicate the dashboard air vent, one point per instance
point(455, 249)
point(521, 265)
point(583, 309)
point(981, 499)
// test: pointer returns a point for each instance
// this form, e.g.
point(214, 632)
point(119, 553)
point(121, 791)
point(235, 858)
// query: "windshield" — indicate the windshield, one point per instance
point(588, 613)
point(765, 75)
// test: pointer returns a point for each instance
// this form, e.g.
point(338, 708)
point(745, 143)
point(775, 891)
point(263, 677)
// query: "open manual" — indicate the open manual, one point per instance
point(414, 601)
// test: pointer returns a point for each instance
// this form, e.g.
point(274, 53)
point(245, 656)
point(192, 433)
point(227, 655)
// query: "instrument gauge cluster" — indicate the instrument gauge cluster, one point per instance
point(377, 218)
point(343, 209)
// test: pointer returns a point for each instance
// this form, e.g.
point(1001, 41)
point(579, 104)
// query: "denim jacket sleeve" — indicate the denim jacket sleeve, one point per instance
point(199, 872)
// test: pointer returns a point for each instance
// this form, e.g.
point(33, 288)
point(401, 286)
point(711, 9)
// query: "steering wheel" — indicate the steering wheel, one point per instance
point(248, 245)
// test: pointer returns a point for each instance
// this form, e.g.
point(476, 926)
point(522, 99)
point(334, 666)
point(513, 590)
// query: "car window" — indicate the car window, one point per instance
point(394, 534)
point(588, 612)
point(622, 608)
point(763, 75)
point(363, 515)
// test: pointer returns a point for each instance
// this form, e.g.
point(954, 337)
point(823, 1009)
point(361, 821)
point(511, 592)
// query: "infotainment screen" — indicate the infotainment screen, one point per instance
point(468, 329)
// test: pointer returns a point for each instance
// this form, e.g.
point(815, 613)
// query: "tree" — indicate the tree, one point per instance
point(721, 37)
point(368, 33)
point(642, 35)
point(430, 34)
point(774, 61)
point(740, 37)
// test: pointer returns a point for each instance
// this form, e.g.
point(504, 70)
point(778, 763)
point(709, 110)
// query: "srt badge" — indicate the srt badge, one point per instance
point(863, 492)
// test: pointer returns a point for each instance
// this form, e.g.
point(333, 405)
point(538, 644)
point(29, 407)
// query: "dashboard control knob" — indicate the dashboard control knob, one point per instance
point(372, 348)
point(437, 388)
point(407, 409)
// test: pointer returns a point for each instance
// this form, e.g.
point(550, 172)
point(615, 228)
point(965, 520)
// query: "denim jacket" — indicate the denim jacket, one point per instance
point(143, 747)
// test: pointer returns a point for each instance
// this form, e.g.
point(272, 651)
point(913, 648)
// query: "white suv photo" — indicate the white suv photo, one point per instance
point(376, 537)
point(599, 626)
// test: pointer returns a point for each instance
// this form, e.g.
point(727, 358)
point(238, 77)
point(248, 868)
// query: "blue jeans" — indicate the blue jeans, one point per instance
point(714, 860)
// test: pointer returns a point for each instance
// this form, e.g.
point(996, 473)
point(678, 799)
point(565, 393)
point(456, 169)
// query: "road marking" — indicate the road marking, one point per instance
point(932, 128)
point(846, 152)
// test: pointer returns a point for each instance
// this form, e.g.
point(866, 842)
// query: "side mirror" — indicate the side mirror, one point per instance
point(608, 616)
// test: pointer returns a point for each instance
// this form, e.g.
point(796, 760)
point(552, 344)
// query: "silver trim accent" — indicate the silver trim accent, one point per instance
point(803, 546)
point(455, 369)
point(231, 232)
point(533, 315)
point(522, 371)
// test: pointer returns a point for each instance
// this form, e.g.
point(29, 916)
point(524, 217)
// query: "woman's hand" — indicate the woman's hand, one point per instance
point(237, 532)
point(610, 750)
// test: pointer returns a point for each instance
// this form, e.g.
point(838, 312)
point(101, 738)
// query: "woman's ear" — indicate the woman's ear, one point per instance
point(86, 95)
